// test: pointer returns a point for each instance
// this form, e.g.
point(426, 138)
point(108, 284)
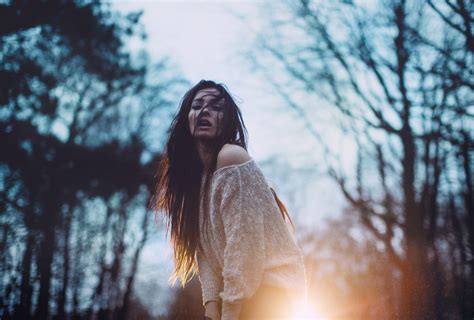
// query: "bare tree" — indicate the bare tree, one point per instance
point(400, 75)
point(76, 130)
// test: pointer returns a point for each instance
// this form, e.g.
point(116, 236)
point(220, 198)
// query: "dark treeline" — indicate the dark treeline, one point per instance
point(398, 76)
point(76, 160)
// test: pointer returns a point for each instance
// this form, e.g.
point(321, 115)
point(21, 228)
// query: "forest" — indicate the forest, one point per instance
point(80, 149)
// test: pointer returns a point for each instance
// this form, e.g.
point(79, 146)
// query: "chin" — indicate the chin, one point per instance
point(206, 135)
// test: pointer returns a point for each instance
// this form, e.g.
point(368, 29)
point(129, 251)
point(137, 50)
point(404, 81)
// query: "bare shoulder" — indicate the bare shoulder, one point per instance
point(231, 154)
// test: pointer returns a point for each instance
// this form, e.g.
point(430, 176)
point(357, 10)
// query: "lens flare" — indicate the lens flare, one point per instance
point(305, 311)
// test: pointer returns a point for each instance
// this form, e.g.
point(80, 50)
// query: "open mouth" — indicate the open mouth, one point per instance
point(204, 123)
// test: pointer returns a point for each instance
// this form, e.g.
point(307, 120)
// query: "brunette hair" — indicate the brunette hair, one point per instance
point(178, 190)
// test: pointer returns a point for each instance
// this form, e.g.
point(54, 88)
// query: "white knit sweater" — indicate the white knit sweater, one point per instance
point(248, 242)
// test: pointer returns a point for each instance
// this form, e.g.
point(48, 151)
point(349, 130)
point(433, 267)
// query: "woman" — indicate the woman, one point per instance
point(227, 225)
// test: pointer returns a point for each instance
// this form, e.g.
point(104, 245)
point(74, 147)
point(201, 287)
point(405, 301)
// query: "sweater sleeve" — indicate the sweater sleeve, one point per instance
point(244, 190)
point(211, 282)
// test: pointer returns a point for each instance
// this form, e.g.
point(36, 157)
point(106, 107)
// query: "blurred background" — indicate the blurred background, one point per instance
point(360, 114)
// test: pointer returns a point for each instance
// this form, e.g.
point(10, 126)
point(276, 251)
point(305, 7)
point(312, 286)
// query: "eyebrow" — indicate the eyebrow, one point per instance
point(213, 100)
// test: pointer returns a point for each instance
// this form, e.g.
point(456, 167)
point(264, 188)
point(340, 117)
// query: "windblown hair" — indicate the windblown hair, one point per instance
point(178, 191)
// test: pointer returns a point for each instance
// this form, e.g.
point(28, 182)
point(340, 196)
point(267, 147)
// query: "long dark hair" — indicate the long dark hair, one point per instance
point(178, 190)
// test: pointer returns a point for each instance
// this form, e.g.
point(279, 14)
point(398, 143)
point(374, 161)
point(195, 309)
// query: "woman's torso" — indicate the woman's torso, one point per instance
point(283, 261)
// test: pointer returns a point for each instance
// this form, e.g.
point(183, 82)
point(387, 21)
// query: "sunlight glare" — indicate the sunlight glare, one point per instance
point(305, 311)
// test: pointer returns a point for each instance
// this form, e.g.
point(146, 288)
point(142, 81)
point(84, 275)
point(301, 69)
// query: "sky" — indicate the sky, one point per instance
point(207, 40)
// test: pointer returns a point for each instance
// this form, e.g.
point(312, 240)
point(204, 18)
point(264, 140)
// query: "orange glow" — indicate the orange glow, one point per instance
point(305, 311)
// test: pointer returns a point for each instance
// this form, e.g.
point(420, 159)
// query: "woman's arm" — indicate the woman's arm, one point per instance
point(211, 282)
point(245, 196)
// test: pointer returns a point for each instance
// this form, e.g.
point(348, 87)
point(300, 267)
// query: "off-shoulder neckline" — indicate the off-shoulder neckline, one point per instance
point(238, 165)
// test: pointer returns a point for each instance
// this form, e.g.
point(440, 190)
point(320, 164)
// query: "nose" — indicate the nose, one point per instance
point(207, 106)
point(205, 109)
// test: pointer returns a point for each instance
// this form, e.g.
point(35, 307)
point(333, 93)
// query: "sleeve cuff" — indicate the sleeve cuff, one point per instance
point(230, 311)
point(210, 293)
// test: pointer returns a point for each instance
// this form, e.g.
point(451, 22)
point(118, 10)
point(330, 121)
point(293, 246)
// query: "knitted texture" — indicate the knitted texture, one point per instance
point(247, 242)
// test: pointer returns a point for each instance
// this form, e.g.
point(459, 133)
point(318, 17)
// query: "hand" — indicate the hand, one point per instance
point(213, 310)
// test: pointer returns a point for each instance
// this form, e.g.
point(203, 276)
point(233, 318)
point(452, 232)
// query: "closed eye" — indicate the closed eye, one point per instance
point(215, 107)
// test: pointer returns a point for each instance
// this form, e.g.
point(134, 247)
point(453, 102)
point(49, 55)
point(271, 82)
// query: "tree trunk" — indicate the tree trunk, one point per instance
point(460, 286)
point(413, 276)
point(131, 277)
point(24, 308)
point(46, 252)
point(63, 294)
point(468, 196)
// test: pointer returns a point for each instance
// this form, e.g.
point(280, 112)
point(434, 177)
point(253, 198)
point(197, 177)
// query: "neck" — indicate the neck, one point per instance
point(204, 150)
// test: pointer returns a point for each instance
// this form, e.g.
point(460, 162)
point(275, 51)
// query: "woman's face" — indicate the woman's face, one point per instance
point(206, 114)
